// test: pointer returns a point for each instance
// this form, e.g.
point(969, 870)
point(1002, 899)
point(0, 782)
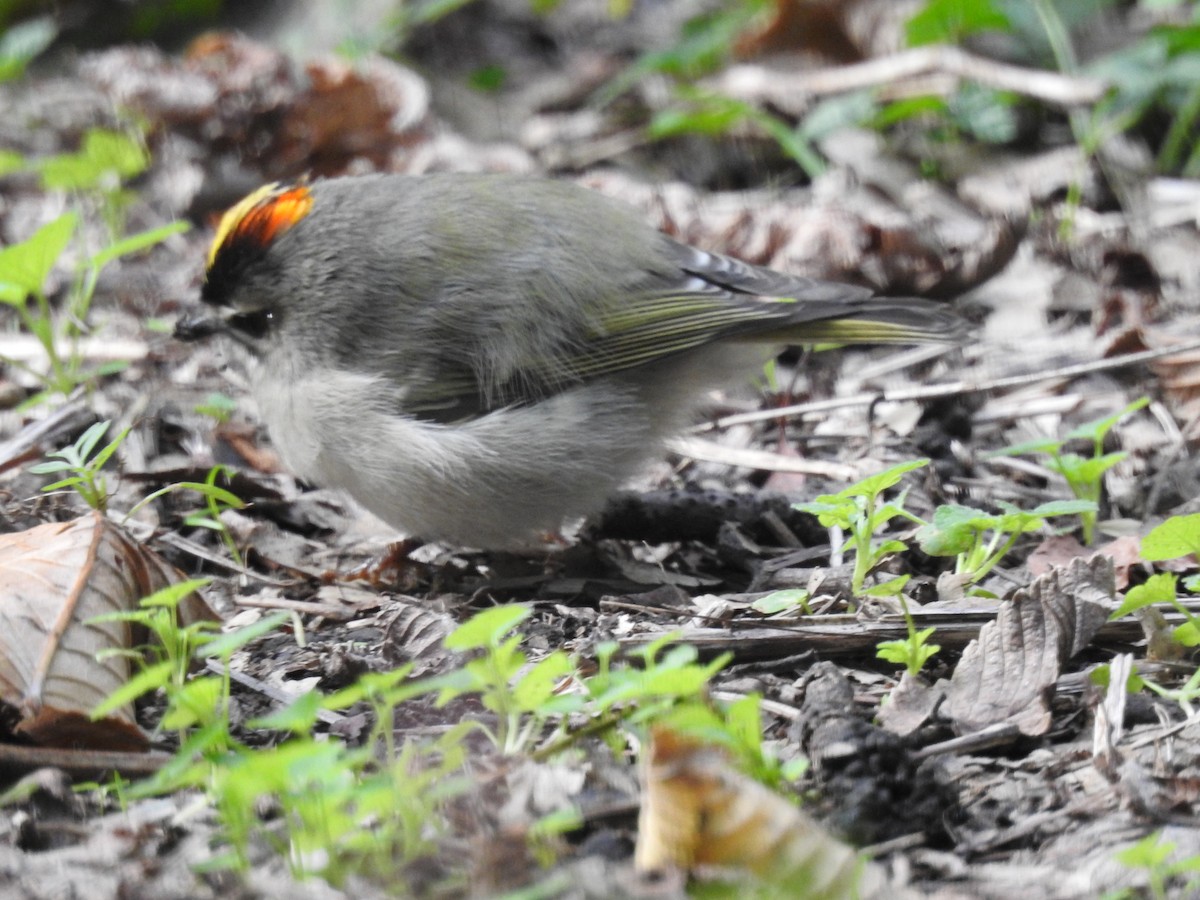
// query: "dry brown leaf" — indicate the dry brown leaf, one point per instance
point(53, 579)
point(851, 232)
point(414, 631)
point(698, 811)
point(351, 112)
point(810, 27)
point(909, 705)
point(1126, 555)
point(1008, 673)
point(833, 31)
point(1054, 552)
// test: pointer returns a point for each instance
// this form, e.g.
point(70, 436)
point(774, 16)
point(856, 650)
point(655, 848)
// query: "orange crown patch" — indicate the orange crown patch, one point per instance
point(261, 217)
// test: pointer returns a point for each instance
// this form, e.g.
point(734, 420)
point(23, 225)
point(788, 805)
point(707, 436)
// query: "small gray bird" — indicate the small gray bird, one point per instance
point(475, 358)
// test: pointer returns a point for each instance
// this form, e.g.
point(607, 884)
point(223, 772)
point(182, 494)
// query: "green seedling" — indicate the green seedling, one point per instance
point(216, 499)
point(712, 115)
point(1176, 537)
point(1084, 475)
point(913, 651)
point(520, 698)
point(24, 269)
point(1161, 589)
point(192, 703)
point(84, 463)
point(1185, 695)
point(166, 662)
point(104, 161)
point(857, 510)
point(1153, 855)
point(372, 811)
point(980, 540)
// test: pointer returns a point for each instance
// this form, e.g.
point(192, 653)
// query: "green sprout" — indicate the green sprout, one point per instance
point(856, 509)
point(1084, 474)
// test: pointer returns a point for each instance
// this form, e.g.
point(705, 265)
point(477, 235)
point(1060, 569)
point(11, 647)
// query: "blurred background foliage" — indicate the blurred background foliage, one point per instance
point(1146, 51)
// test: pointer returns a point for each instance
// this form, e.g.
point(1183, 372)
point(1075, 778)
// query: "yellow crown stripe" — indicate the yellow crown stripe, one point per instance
point(262, 216)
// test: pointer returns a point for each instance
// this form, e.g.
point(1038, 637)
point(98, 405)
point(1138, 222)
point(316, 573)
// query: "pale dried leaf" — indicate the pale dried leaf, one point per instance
point(414, 631)
point(1108, 728)
point(909, 705)
point(1055, 552)
point(1008, 673)
point(53, 579)
point(698, 811)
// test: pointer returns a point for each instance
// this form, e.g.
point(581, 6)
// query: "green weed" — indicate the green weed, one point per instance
point(1084, 474)
point(857, 510)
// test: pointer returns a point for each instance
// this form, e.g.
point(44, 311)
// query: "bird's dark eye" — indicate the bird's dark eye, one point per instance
point(254, 325)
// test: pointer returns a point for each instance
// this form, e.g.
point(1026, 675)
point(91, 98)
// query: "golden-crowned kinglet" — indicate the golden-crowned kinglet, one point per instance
point(475, 357)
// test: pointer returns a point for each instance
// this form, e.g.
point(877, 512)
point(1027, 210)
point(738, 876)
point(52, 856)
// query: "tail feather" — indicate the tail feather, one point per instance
point(884, 320)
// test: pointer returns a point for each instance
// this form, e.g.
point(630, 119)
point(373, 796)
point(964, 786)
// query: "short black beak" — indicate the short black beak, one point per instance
point(197, 327)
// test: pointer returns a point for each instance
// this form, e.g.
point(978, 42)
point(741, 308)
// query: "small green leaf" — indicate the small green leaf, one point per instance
point(49, 467)
point(1158, 588)
point(223, 646)
point(876, 484)
point(197, 702)
point(1187, 634)
point(173, 594)
point(149, 679)
point(97, 462)
point(835, 113)
point(1079, 469)
point(488, 79)
point(485, 629)
point(537, 686)
point(136, 243)
point(779, 601)
point(831, 511)
point(28, 264)
point(1096, 430)
point(707, 114)
point(893, 651)
point(88, 440)
point(954, 529)
point(298, 717)
point(1062, 508)
point(890, 588)
point(1148, 853)
point(104, 155)
point(949, 21)
point(1178, 536)
point(1102, 675)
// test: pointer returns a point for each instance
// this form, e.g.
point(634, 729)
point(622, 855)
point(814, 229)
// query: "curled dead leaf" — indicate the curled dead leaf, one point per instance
point(1008, 673)
point(54, 579)
point(698, 811)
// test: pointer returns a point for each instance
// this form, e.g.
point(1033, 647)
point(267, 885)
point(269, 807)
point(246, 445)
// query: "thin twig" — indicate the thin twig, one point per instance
point(791, 92)
point(950, 389)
